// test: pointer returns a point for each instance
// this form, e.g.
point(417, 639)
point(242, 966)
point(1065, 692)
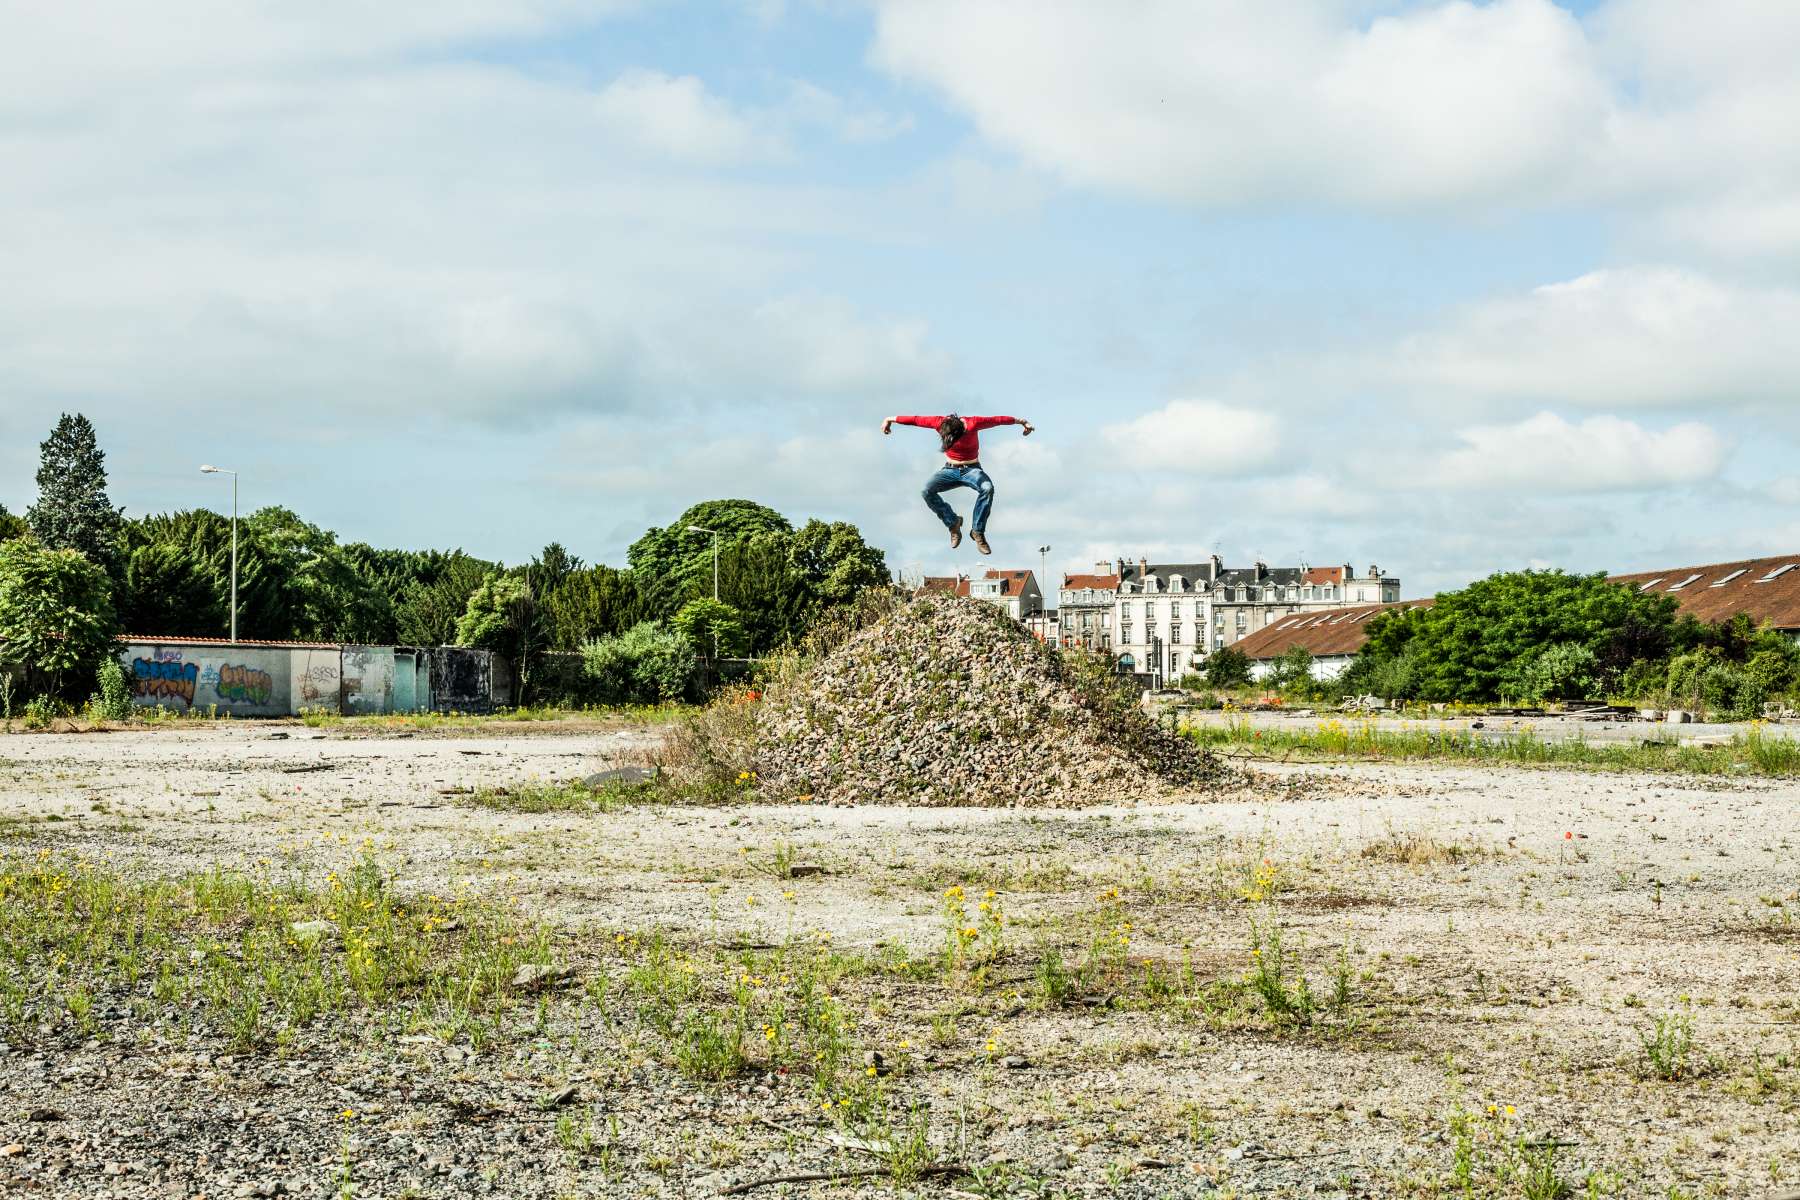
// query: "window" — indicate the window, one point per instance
point(1727, 579)
point(1777, 573)
point(1676, 587)
point(1306, 592)
point(1175, 633)
point(1125, 635)
point(1644, 587)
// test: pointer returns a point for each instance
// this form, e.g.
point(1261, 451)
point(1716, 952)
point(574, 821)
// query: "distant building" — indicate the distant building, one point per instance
point(1085, 609)
point(1332, 638)
point(1170, 616)
point(1015, 591)
point(1767, 590)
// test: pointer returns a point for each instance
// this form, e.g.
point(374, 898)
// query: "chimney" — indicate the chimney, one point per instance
point(1349, 572)
point(1218, 565)
point(1143, 567)
point(1374, 571)
point(1105, 568)
point(1119, 567)
point(1262, 568)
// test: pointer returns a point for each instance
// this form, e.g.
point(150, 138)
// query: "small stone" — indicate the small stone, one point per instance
point(1015, 1062)
point(116, 1168)
point(11, 1150)
point(537, 977)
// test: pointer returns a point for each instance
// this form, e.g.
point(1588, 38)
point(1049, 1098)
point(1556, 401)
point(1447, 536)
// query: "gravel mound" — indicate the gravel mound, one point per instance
point(947, 701)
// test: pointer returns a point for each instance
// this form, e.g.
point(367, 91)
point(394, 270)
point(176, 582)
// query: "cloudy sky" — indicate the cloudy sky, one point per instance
point(1452, 287)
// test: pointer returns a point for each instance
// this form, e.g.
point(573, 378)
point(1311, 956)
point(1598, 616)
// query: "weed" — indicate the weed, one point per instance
point(1668, 1044)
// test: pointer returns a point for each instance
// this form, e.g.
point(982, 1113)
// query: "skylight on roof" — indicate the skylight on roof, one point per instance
point(1676, 587)
point(1644, 587)
point(1778, 572)
point(1727, 579)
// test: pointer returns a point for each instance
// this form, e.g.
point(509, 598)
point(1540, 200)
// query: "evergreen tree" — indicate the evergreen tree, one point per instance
point(73, 512)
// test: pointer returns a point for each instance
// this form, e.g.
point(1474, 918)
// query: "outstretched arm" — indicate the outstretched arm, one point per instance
point(887, 426)
point(980, 423)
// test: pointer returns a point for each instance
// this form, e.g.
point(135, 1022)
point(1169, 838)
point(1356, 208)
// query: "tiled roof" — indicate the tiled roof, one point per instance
point(1324, 575)
point(1012, 583)
point(1766, 588)
point(1331, 632)
point(959, 584)
point(1100, 583)
point(253, 643)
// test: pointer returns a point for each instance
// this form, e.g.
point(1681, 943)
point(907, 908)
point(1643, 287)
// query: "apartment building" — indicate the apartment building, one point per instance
point(1085, 608)
point(1169, 616)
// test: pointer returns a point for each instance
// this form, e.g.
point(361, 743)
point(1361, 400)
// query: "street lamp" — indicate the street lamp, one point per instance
point(715, 538)
point(211, 470)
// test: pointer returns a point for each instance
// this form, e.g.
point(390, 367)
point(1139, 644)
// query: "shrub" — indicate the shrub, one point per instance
point(646, 664)
point(1564, 671)
point(56, 614)
point(114, 700)
point(1228, 667)
point(712, 628)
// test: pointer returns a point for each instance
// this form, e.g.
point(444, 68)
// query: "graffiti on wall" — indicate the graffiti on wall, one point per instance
point(164, 679)
point(319, 683)
point(245, 685)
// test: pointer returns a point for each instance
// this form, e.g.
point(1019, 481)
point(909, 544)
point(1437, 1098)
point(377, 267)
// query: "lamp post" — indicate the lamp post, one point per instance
point(715, 538)
point(1043, 582)
point(211, 470)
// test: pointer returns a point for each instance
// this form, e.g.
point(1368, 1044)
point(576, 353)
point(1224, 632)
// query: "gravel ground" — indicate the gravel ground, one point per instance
point(1548, 917)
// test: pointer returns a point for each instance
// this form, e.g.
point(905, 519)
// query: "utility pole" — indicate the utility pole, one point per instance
point(211, 470)
point(1043, 582)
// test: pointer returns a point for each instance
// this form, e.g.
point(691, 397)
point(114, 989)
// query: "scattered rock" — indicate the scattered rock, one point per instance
point(538, 977)
point(619, 775)
point(314, 931)
point(948, 701)
point(9, 1151)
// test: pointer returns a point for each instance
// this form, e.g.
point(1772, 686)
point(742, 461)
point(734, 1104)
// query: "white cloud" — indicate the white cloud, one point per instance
point(677, 116)
point(1684, 121)
point(1601, 453)
point(1218, 102)
point(1617, 338)
point(1201, 436)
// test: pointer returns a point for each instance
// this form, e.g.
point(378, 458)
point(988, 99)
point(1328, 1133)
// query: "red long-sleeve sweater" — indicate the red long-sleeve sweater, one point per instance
point(966, 448)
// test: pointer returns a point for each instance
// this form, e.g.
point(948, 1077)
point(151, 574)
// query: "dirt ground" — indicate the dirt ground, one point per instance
point(1511, 935)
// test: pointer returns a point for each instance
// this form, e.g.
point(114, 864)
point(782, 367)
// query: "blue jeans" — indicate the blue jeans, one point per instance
point(954, 477)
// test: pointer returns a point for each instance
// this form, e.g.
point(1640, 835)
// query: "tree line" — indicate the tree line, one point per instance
point(169, 575)
point(1535, 636)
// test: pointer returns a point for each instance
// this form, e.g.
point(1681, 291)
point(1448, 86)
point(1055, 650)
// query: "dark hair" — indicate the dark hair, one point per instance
point(949, 429)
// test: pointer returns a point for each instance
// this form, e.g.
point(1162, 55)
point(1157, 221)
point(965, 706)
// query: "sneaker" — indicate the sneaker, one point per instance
point(956, 535)
point(980, 540)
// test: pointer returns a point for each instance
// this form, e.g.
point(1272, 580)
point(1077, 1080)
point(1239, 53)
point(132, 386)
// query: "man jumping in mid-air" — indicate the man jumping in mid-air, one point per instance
point(962, 468)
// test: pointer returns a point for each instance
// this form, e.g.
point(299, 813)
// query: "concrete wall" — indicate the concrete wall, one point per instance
point(318, 677)
point(273, 680)
point(247, 681)
point(368, 685)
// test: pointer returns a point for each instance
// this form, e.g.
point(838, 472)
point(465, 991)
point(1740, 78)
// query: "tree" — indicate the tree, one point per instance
point(11, 526)
point(434, 602)
point(758, 578)
point(1564, 671)
point(73, 511)
point(1227, 667)
point(673, 562)
point(552, 566)
point(56, 615)
point(713, 628)
point(1468, 644)
point(1292, 669)
point(587, 604)
point(502, 617)
point(835, 561)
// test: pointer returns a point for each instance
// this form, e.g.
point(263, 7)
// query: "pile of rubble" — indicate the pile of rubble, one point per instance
point(947, 701)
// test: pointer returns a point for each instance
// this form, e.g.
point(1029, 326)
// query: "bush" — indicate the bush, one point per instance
point(56, 615)
point(113, 703)
point(1642, 681)
point(1228, 667)
point(1565, 671)
point(646, 664)
point(712, 628)
point(1292, 671)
